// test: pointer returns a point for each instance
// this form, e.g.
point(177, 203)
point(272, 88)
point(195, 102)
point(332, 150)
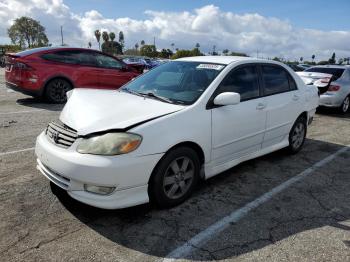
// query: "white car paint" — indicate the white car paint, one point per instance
point(227, 135)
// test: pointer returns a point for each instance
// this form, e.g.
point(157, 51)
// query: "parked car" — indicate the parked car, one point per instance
point(182, 121)
point(145, 62)
point(51, 72)
point(333, 82)
point(135, 62)
point(296, 68)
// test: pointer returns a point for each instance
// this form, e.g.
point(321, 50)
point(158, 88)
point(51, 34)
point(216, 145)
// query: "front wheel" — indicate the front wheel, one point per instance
point(345, 105)
point(56, 89)
point(175, 177)
point(297, 135)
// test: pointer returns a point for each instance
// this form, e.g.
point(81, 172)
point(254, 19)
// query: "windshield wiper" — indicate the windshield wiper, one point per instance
point(131, 91)
point(160, 98)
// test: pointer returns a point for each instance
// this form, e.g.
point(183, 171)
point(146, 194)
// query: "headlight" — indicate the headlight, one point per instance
point(110, 144)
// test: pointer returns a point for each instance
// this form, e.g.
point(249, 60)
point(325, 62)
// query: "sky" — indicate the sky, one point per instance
point(288, 29)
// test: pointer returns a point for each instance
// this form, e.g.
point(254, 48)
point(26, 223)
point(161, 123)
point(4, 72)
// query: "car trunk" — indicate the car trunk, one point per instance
point(320, 80)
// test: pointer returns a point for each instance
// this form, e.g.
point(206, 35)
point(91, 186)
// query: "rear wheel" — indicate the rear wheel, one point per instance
point(175, 177)
point(56, 90)
point(345, 105)
point(297, 135)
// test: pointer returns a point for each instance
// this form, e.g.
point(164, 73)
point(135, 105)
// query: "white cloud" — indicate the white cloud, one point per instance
point(208, 25)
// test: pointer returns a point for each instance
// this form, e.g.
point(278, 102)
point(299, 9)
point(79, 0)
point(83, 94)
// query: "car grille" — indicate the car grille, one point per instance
point(60, 134)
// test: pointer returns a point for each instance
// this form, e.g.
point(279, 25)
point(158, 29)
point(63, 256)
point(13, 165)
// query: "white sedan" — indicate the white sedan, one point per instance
point(186, 120)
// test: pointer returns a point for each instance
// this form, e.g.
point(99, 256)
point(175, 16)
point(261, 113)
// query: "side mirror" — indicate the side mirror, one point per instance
point(227, 98)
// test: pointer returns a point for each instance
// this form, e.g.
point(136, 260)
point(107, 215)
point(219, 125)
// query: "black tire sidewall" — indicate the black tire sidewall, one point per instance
point(342, 105)
point(291, 149)
point(156, 192)
point(48, 88)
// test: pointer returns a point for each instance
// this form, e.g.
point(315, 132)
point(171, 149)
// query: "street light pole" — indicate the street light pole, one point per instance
point(62, 35)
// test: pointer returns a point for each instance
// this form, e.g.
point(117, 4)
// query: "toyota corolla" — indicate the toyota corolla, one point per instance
point(189, 119)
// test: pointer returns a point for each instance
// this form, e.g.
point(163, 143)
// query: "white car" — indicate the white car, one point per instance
point(185, 120)
point(333, 82)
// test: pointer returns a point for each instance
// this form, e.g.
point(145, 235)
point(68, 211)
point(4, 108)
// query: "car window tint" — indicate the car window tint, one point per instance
point(275, 80)
point(244, 81)
point(85, 58)
point(292, 84)
point(108, 62)
point(336, 72)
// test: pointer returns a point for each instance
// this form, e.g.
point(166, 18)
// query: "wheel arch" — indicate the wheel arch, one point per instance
point(47, 82)
point(197, 148)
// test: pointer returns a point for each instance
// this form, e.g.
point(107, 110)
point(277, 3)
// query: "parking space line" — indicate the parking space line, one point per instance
point(16, 151)
point(203, 237)
point(21, 112)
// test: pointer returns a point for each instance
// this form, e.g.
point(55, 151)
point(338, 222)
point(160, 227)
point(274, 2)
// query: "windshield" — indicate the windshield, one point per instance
point(336, 72)
point(178, 81)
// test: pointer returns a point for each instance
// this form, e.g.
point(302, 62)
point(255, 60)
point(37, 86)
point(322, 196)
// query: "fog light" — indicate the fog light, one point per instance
point(101, 190)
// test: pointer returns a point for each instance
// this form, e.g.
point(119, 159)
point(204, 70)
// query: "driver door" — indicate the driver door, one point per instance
point(238, 130)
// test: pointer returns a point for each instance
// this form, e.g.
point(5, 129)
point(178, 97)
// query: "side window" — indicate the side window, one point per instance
point(243, 80)
point(68, 57)
point(85, 58)
point(108, 62)
point(276, 80)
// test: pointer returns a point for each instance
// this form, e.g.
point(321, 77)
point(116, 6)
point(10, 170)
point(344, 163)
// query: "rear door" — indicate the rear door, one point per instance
point(112, 73)
point(283, 102)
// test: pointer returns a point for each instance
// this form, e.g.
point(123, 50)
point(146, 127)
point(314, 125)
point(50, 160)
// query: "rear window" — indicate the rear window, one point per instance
point(336, 72)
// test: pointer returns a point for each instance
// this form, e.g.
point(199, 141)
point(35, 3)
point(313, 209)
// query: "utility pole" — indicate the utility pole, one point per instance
point(257, 53)
point(62, 35)
point(154, 41)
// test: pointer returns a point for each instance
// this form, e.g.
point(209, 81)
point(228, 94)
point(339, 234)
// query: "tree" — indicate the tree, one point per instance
point(172, 46)
point(332, 59)
point(105, 36)
point(112, 36)
point(26, 31)
point(238, 54)
point(148, 50)
point(89, 44)
point(136, 46)
point(186, 53)
point(198, 45)
point(225, 51)
point(121, 39)
point(112, 48)
point(142, 42)
point(133, 52)
point(313, 58)
point(301, 59)
point(98, 38)
point(276, 59)
point(165, 53)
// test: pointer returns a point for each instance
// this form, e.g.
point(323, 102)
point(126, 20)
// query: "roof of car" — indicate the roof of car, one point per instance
point(217, 59)
point(330, 66)
point(42, 49)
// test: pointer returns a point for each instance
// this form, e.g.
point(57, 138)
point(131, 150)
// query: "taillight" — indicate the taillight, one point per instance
point(23, 66)
point(333, 88)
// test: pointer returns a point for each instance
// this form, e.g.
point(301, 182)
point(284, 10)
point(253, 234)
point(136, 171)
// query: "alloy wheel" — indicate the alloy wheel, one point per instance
point(346, 104)
point(178, 177)
point(298, 135)
point(59, 90)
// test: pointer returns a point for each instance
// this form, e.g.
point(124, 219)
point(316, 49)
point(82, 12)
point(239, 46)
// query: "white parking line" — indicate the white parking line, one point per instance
point(21, 112)
point(203, 237)
point(17, 151)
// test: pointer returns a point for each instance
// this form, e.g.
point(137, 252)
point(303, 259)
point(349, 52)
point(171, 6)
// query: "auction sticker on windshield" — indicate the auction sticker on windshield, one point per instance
point(210, 66)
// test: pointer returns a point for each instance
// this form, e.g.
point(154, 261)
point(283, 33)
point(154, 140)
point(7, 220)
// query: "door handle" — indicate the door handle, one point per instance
point(295, 97)
point(260, 106)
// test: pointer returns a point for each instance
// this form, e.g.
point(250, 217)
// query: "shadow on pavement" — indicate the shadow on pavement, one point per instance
point(312, 203)
point(333, 112)
point(39, 103)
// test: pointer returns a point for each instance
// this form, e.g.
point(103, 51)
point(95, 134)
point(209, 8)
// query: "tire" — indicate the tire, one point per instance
point(56, 89)
point(345, 105)
point(297, 136)
point(175, 177)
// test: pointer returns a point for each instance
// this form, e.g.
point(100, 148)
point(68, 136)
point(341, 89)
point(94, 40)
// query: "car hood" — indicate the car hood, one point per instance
point(89, 110)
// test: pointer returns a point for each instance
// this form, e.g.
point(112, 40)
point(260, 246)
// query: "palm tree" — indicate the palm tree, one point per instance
point(89, 44)
point(313, 58)
point(112, 36)
point(198, 45)
point(98, 38)
point(105, 36)
point(172, 46)
point(136, 46)
point(301, 59)
point(142, 42)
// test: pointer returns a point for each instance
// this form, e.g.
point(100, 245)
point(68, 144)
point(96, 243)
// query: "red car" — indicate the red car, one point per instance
point(51, 72)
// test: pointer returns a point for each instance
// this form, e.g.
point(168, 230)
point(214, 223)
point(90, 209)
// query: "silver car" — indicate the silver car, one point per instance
point(333, 82)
